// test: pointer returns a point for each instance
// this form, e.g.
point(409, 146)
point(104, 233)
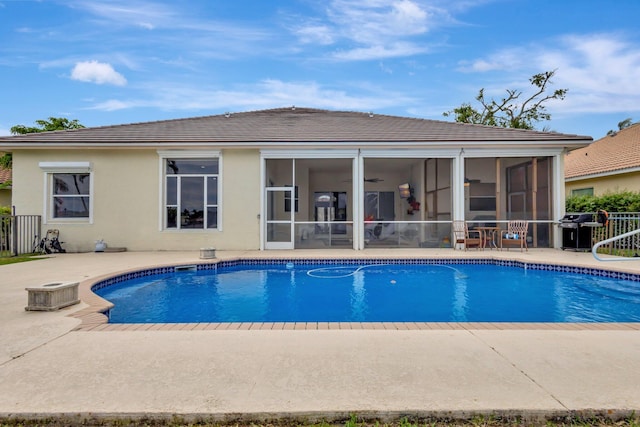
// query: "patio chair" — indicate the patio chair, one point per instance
point(462, 235)
point(515, 235)
point(50, 243)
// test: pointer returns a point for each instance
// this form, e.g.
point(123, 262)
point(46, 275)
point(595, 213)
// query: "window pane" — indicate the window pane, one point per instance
point(279, 232)
point(191, 186)
point(517, 178)
point(171, 167)
point(192, 219)
point(482, 203)
point(444, 173)
point(70, 207)
point(287, 199)
point(386, 205)
point(71, 183)
point(192, 202)
point(212, 217)
point(582, 192)
point(371, 206)
point(212, 190)
point(172, 190)
point(192, 166)
point(172, 217)
point(192, 193)
point(279, 172)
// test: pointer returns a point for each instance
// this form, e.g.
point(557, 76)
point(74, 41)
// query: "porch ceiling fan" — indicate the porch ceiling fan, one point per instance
point(367, 180)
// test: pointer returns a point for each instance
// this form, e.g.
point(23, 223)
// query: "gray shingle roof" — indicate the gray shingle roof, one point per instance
point(291, 125)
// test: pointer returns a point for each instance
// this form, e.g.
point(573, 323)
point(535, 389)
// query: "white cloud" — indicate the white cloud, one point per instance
point(112, 15)
point(409, 16)
point(278, 92)
point(599, 64)
point(379, 52)
point(384, 68)
point(264, 94)
point(318, 34)
point(97, 72)
point(507, 59)
point(601, 71)
point(128, 12)
point(375, 21)
point(112, 105)
point(373, 29)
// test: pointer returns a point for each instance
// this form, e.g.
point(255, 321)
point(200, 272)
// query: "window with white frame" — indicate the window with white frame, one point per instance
point(71, 196)
point(69, 191)
point(582, 192)
point(191, 193)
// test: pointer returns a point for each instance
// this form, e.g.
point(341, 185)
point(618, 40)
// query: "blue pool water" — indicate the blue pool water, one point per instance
point(373, 293)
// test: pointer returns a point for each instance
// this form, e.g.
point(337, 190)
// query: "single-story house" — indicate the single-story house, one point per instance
point(288, 178)
point(610, 164)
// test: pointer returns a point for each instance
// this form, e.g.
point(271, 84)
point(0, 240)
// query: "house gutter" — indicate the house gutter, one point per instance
point(298, 144)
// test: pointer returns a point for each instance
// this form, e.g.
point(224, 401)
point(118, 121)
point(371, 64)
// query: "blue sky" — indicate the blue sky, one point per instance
point(126, 61)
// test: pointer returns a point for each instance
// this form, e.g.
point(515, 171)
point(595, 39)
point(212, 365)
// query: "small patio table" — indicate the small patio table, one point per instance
point(488, 233)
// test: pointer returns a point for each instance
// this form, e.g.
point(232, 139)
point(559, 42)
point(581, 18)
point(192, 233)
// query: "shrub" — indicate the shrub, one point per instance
point(626, 201)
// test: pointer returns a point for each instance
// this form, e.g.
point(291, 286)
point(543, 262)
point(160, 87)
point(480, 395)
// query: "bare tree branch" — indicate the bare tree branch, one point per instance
point(508, 112)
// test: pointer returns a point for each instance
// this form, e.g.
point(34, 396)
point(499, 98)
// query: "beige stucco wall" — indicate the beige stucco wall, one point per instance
point(127, 203)
point(611, 184)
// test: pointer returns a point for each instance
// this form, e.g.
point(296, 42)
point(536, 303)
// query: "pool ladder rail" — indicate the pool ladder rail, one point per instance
point(613, 239)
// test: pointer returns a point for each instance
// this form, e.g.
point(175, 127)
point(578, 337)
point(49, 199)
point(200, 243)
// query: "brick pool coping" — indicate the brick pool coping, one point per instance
point(92, 316)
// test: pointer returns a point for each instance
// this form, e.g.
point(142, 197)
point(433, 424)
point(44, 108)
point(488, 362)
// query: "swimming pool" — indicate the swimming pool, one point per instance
point(372, 291)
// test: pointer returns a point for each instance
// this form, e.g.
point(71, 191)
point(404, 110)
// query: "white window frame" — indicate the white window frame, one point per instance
point(582, 191)
point(51, 168)
point(163, 155)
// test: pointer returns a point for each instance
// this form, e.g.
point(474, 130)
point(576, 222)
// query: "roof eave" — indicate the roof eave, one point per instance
point(565, 143)
point(603, 174)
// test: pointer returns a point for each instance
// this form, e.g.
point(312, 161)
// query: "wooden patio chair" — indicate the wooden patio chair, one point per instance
point(515, 236)
point(462, 235)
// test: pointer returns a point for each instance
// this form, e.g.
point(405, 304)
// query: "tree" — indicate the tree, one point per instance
point(621, 125)
point(54, 123)
point(5, 160)
point(510, 112)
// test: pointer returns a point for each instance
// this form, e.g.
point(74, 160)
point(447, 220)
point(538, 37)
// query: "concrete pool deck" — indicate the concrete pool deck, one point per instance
point(50, 365)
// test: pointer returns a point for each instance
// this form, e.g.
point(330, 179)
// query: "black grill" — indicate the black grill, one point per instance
point(576, 231)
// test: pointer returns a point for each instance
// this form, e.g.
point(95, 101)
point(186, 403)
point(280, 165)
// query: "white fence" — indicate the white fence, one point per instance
point(619, 223)
point(19, 234)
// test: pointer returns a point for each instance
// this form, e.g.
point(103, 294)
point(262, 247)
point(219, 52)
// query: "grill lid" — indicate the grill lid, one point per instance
point(577, 218)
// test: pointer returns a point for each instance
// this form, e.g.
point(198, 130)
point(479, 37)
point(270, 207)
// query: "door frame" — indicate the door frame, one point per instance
point(268, 205)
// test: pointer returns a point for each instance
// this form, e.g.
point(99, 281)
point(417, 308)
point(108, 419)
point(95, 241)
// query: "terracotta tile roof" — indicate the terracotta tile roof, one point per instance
point(292, 125)
point(608, 154)
point(5, 175)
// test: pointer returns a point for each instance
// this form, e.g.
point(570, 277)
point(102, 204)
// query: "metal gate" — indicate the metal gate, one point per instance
point(19, 234)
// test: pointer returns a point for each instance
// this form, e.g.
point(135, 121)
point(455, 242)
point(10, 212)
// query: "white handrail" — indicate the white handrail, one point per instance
point(613, 239)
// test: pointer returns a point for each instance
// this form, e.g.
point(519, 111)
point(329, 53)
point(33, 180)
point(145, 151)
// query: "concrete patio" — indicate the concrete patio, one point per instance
point(51, 366)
